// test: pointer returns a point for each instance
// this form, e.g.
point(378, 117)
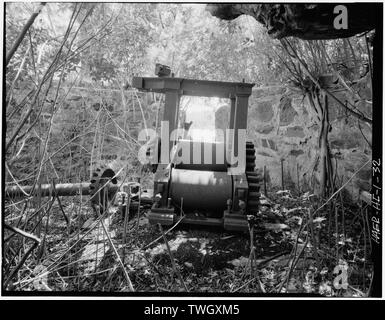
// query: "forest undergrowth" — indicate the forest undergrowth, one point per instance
point(295, 252)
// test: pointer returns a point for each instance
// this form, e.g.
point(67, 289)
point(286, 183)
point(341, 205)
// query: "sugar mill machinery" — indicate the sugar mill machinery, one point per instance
point(204, 193)
point(200, 192)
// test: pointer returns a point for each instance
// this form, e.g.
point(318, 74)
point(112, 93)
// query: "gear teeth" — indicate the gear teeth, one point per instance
point(250, 158)
point(100, 196)
point(253, 203)
point(254, 178)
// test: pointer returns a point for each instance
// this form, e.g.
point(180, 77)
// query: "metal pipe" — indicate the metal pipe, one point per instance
point(69, 189)
point(46, 190)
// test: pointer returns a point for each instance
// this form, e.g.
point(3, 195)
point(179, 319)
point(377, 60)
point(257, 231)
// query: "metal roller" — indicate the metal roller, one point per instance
point(203, 191)
point(203, 156)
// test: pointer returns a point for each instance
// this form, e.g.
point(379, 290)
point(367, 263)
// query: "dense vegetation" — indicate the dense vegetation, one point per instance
point(70, 107)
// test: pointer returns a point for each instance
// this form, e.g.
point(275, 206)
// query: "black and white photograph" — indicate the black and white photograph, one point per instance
point(192, 149)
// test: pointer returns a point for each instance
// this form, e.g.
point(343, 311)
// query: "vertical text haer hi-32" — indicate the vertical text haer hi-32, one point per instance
point(376, 201)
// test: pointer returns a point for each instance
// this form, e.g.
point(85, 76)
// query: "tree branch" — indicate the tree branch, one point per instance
point(23, 33)
point(352, 112)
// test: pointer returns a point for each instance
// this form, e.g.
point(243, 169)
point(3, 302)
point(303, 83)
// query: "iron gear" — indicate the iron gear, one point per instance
point(100, 193)
point(254, 179)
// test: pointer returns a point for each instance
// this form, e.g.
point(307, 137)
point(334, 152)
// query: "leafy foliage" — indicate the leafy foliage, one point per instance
point(68, 109)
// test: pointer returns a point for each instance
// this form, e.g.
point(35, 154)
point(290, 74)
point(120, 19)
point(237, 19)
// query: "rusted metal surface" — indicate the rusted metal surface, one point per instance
point(171, 112)
point(201, 190)
point(191, 87)
point(46, 190)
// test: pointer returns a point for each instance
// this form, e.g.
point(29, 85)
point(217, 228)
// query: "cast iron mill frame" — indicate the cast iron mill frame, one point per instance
point(204, 187)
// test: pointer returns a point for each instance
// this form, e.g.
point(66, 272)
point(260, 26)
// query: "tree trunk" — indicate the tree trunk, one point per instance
point(319, 102)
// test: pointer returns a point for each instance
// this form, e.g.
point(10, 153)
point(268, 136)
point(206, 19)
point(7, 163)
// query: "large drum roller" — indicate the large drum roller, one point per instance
point(197, 184)
point(205, 192)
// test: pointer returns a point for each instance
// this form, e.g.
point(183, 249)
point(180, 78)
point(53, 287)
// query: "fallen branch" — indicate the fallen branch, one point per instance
point(263, 262)
point(22, 233)
point(26, 255)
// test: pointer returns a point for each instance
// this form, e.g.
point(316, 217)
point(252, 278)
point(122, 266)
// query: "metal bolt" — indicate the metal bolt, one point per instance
point(229, 203)
point(158, 197)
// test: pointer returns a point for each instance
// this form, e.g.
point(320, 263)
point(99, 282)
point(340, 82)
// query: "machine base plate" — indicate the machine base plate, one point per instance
point(231, 222)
